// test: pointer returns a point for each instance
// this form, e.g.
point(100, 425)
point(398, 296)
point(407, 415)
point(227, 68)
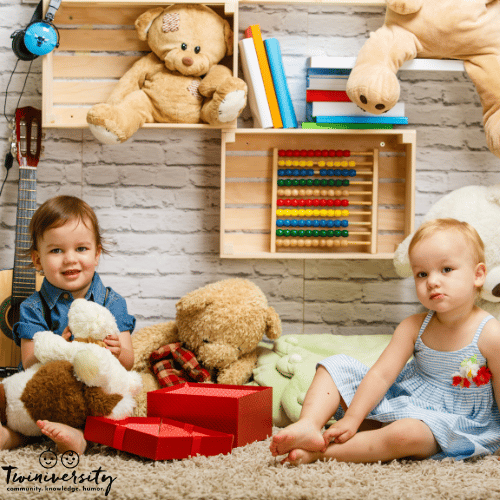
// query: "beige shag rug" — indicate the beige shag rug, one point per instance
point(249, 472)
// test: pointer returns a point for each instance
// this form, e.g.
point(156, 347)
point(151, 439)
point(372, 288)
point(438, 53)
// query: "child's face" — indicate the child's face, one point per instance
point(446, 275)
point(68, 257)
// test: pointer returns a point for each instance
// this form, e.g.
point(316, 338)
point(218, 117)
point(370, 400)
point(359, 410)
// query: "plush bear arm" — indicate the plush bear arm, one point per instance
point(51, 347)
point(134, 78)
point(149, 339)
point(273, 324)
point(240, 371)
point(216, 75)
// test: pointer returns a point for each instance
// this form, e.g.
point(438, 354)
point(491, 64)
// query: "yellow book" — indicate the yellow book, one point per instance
point(253, 31)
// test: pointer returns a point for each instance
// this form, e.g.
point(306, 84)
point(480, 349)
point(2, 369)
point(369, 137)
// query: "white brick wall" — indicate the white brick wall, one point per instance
point(157, 196)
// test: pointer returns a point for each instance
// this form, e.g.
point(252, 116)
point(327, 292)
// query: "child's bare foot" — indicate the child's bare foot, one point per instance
point(65, 437)
point(301, 434)
point(298, 456)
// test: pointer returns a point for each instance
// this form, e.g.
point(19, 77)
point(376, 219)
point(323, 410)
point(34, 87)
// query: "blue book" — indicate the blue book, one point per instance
point(328, 71)
point(396, 120)
point(280, 85)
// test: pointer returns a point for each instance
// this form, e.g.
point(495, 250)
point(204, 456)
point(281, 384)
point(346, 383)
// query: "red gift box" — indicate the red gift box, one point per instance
point(157, 438)
point(242, 410)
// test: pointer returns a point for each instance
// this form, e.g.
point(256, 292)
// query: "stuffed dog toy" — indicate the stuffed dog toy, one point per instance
point(73, 380)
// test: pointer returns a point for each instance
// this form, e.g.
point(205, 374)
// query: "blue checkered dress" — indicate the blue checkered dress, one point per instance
point(464, 421)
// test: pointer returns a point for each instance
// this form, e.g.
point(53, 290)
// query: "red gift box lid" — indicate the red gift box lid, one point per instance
point(157, 438)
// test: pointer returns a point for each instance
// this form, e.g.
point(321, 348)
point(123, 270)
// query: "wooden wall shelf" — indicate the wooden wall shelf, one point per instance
point(248, 195)
point(98, 44)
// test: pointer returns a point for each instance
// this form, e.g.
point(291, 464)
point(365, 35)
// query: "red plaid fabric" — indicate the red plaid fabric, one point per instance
point(172, 365)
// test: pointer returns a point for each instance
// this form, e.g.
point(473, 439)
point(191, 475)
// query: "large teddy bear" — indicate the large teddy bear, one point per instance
point(439, 29)
point(73, 380)
point(480, 207)
point(221, 323)
point(180, 81)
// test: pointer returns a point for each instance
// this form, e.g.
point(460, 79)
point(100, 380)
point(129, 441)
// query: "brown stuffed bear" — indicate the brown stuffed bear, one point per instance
point(166, 86)
point(453, 29)
point(221, 323)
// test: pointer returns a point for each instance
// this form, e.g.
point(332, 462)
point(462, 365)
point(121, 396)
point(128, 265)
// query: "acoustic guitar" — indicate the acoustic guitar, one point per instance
point(20, 282)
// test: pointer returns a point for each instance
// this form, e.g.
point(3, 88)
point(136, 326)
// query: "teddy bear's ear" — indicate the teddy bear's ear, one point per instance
point(273, 324)
point(144, 22)
point(193, 302)
point(228, 37)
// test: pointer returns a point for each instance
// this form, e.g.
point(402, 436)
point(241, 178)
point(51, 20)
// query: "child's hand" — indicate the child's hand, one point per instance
point(66, 334)
point(113, 344)
point(341, 431)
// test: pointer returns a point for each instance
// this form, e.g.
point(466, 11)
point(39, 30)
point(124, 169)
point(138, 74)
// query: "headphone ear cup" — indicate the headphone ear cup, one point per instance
point(19, 47)
point(41, 37)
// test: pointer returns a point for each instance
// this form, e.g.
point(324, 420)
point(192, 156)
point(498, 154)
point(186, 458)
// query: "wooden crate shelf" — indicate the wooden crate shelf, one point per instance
point(98, 44)
point(249, 193)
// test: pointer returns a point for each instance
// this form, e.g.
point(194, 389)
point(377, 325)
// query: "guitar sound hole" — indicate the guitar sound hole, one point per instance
point(9, 315)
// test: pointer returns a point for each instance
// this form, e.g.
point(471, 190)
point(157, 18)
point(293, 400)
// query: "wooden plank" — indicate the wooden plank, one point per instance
point(392, 167)
point(247, 219)
point(259, 140)
point(236, 244)
point(249, 167)
point(82, 92)
point(391, 193)
point(391, 220)
point(105, 13)
point(256, 193)
point(86, 66)
point(388, 243)
point(105, 40)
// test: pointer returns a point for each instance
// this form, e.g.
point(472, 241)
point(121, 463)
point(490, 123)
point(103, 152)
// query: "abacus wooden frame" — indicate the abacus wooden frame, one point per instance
point(246, 189)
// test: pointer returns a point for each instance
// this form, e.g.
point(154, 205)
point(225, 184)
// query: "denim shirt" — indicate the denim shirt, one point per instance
point(33, 313)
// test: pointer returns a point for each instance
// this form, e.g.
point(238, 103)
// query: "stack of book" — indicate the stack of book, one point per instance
point(268, 94)
point(327, 103)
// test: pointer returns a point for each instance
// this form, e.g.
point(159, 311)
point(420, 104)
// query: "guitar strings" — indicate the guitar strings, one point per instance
point(8, 158)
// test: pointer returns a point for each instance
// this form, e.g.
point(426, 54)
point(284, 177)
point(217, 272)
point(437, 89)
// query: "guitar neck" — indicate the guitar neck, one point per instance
point(24, 278)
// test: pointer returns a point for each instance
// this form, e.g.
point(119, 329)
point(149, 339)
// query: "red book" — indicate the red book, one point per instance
point(326, 96)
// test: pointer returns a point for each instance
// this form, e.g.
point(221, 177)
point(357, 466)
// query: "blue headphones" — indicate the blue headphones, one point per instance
point(40, 36)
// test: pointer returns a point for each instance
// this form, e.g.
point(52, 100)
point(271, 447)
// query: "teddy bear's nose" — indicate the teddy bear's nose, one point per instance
point(187, 61)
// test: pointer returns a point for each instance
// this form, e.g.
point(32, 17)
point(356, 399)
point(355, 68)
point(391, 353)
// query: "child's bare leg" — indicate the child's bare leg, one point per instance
point(321, 402)
point(66, 437)
point(11, 439)
point(403, 438)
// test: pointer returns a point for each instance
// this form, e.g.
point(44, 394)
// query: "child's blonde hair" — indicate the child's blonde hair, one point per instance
point(55, 212)
point(471, 236)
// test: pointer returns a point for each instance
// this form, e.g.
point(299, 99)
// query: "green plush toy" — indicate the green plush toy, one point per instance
point(289, 367)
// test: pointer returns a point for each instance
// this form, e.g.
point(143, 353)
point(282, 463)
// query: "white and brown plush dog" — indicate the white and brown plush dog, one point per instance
point(73, 380)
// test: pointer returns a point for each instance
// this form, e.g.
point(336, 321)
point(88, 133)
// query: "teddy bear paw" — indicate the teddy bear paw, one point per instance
point(102, 125)
point(231, 106)
point(405, 6)
point(87, 368)
point(374, 89)
point(492, 130)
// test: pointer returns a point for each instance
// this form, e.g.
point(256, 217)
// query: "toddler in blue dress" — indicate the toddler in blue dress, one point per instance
point(442, 403)
point(66, 245)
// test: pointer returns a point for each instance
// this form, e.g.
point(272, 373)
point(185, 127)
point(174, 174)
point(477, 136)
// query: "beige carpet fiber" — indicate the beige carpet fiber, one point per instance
point(249, 472)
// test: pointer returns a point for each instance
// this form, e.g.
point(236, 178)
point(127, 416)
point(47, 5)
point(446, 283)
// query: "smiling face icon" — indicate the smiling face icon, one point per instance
point(48, 459)
point(70, 459)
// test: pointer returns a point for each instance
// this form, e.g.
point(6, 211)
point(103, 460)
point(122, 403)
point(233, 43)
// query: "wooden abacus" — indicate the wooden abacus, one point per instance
point(384, 197)
point(311, 193)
